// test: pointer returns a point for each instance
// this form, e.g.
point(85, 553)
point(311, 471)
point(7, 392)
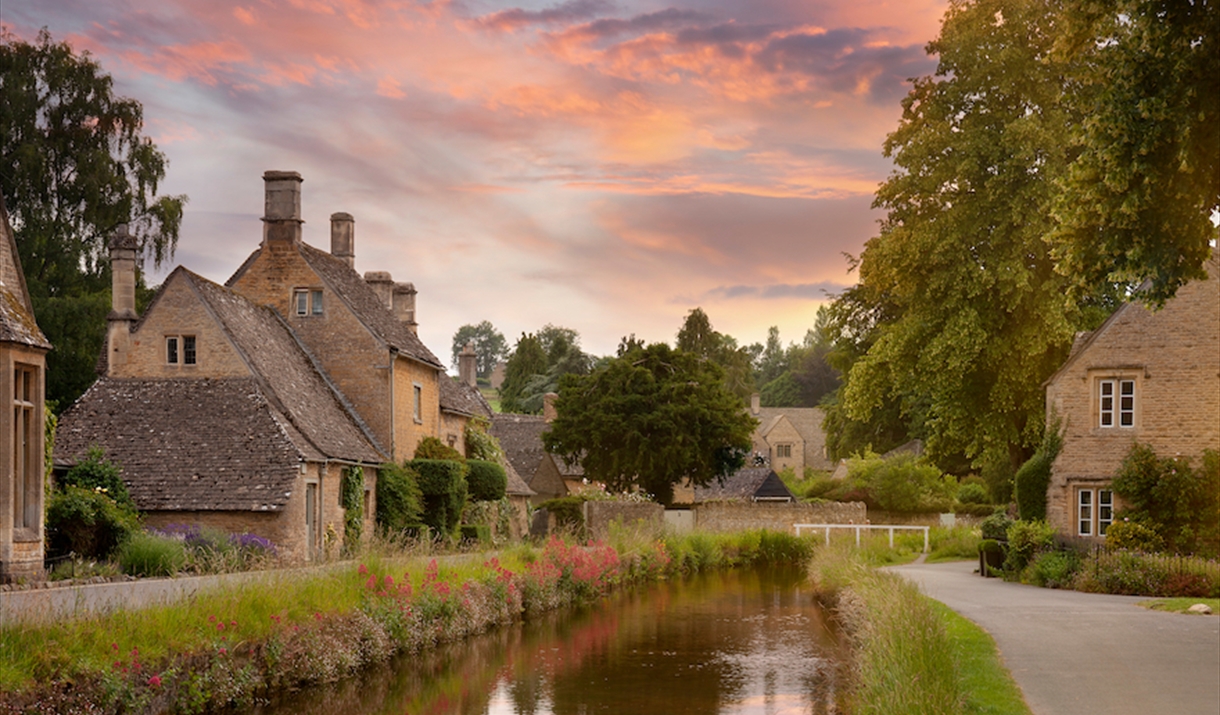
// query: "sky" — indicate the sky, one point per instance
point(601, 165)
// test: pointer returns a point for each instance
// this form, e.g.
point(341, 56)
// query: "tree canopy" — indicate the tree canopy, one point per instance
point(74, 164)
point(490, 347)
point(697, 337)
point(651, 419)
point(536, 366)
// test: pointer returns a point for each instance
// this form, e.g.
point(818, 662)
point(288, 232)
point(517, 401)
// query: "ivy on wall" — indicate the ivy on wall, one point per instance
point(351, 496)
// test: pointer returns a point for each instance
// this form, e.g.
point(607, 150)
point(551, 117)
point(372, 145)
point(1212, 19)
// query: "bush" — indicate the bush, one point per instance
point(1134, 536)
point(568, 512)
point(148, 554)
point(96, 473)
point(400, 503)
point(480, 444)
point(1177, 501)
point(1034, 476)
point(475, 533)
point(87, 523)
point(971, 493)
point(443, 483)
point(900, 483)
point(433, 448)
point(351, 496)
point(996, 526)
point(212, 550)
point(487, 481)
point(1053, 569)
point(1027, 539)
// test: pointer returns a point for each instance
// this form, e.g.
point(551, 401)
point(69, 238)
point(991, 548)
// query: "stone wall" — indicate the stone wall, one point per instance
point(599, 515)
point(742, 516)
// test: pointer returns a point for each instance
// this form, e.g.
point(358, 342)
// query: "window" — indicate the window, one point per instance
point(27, 436)
point(180, 350)
point(307, 301)
point(1116, 403)
point(1094, 511)
point(419, 403)
point(783, 450)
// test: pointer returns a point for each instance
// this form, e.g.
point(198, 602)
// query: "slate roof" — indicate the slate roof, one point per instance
point(17, 324)
point(241, 438)
point(806, 420)
point(747, 484)
point(463, 399)
point(521, 438)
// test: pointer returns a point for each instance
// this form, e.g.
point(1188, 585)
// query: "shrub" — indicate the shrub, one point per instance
point(433, 448)
point(400, 503)
point(1025, 540)
point(351, 496)
point(1034, 476)
point(568, 511)
point(996, 526)
point(87, 523)
point(1134, 536)
point(487, 481)
point(443, 483)
point(1053, 569)
point(1180, 503)
point(149, 554)
point(480, 444)
point(971, 493)
point(96, 473)
point(475, 533)
point(900, 483)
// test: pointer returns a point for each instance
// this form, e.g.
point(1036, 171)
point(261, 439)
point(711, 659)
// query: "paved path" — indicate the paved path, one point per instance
point(1081, 653)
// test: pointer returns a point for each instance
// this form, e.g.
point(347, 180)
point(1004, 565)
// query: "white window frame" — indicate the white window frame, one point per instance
point(181, 350)
point(1094, 510)
point(26, 442)
point(306, 302)
point(1116, 403)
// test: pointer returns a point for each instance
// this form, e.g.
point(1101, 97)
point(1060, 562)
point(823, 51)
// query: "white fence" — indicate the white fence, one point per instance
point(860, 527)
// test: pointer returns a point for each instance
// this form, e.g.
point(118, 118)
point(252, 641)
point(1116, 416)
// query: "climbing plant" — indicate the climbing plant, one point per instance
point(351, 494)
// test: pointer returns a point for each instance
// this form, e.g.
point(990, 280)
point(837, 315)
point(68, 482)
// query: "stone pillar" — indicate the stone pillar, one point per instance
point(383, 285)
point(282, 209)
point(468, 361)
point(343, 237)
point(404, 306)
point(123, 249)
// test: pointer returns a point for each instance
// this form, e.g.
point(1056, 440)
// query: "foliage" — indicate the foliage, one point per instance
point(443, 483)
point(901, 483)
point(487, 481)
point(1177, 501)
point(1137, 574)
point(149, 554)
point(74, 165)
point(1133, 536)
point(1034, 476)
point(1136, 201)
point(400, 503)
point(480, 444)
point(538, 364)
point(1053, 569)
point(799, 375)
point(995, 526)
point(94, 471)
point(87, 522)
point(351, 498)
point(490, 347)
point(972, 494)
point(568, 512)
point(433, 448)
point(1026, 539)
point(528, 359)
point(211, 550)
point(697, 337)
point(650, 420)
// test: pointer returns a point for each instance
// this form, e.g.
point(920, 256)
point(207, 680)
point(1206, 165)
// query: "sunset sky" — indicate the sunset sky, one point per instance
point(601, 165)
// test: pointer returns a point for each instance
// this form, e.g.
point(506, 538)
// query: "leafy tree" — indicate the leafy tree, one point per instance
point(628, 343)
point(73, 166)
point(696, 336)
point(558, 342)
point(547, 357)
point(960, 311)
point(1144, 179)
point(490, 347)
point(1178, 501)
point(528, 359)
point(774, 359)
point(651, 419)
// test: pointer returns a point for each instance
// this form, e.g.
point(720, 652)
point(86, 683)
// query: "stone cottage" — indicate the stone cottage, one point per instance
point(23, 350)
point(790, 437)
point(1144, 376)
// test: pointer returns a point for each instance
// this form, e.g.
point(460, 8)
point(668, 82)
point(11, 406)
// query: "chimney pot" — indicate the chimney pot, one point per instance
point(468, 365)
point(343, 237)
point(383, 285)
point(404, 305)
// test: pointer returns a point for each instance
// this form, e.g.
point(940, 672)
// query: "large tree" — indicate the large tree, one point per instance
point(651, 419)
point(490, 347)
point(537, 364)
point(697, 336)
point(960, 311)
point(74, 164)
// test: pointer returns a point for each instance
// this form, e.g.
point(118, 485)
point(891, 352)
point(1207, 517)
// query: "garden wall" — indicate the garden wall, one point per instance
point(600, 514)
point(742, 516)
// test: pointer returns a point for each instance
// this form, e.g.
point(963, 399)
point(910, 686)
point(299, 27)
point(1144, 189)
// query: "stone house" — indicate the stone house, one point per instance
point(790, 437)
point(1143, 376)
point(520, 437)
point(23, 350)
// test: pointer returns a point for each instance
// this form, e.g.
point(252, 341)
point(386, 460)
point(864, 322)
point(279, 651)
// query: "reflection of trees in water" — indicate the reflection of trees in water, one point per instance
point(739, 642)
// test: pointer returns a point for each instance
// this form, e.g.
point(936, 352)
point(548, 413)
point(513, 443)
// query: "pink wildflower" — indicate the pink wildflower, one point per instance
point(154, 682)
point(223, 651)
point(363, 570)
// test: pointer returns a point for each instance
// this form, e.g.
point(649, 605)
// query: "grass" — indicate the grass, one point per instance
point(989, 687)
point(1181, 605)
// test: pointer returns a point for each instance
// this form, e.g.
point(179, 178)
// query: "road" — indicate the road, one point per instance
point(1080, 653)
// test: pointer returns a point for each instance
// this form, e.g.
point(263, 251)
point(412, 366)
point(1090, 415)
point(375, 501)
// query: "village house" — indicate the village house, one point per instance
point(1144, 376)
point(790, 437)
point(242, 406)
point(23, 350)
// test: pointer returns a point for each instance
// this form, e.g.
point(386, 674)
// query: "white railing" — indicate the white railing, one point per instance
point(860, 527)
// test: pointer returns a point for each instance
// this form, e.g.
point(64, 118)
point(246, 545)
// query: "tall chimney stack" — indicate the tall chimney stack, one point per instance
point(123, 248)
point(404, 306)
point(343, 237)
point(468, 361)
point(383, 285)
point(282, 209)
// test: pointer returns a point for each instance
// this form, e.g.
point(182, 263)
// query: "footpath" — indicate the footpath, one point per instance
point(1078, 653)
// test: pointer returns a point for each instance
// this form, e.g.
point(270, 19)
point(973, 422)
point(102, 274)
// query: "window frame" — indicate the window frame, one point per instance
point(307, 302)
point(1117, 398)
point(783, 451)
point(1094, 511)
point(418, 396)
point(181, 350)
point(26, 441)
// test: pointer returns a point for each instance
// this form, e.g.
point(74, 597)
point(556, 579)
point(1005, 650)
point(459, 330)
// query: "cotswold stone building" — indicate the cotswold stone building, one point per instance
point(23, 350)
point(790, 437)
point(241, 406)
point(1143, 376)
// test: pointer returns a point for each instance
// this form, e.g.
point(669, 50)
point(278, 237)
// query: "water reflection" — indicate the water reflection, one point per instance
point(741, 643)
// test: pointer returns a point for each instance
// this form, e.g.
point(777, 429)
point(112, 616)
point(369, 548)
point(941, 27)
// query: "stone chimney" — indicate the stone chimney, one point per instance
point(383, 285)
point(468, 361)
point(404, 306)
point(282, 209)
point(123, 248)
point(549, 413)
point(755, 403)
point(343, 237)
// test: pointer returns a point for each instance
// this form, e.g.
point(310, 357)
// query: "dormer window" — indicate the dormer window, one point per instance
point(307, 301)
point(180, 349)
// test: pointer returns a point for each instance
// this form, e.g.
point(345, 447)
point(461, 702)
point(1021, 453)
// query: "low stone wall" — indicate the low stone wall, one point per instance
point(600, 514)
point(876, 516)
point(743, 516)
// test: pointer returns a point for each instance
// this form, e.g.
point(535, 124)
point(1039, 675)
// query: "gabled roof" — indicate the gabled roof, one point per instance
point(462, 399)
point(520, 437)
point(754, 483)
point(17, 324)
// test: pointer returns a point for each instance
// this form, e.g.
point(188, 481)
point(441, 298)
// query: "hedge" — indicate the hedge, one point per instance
point(487, 480)
point(443, 483)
